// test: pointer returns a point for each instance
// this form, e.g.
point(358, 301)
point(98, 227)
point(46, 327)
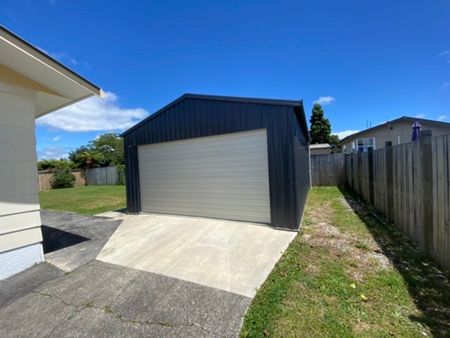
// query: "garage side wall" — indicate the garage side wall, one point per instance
point(192, 118)
point(301, 164)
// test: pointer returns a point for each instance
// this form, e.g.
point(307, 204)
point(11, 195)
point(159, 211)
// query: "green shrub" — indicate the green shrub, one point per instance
point(121, 173)
point(62, 178)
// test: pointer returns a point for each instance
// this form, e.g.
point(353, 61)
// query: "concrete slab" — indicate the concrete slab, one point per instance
point(104, 300)
point(227, 255)
point(72, 240)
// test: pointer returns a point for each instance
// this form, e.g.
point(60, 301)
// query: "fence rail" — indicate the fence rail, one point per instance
point(410, 184)
point(328, 169)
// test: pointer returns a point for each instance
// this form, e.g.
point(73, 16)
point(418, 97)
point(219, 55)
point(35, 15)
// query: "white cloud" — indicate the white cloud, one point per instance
point(345, 133)
point(94, 114)
point(56, 138)
point(420, 116)
point(445, 85)
point(324, 100)
point(443, 118)
point(63, 56)
point(52, 152)
point(445, 55)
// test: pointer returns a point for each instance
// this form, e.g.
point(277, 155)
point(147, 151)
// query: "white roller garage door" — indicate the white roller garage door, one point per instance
point(224, 176)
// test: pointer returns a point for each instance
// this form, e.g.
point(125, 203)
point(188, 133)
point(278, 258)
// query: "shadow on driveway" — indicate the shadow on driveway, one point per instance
point(72, 240)
point(426, 283)
point(55, 239)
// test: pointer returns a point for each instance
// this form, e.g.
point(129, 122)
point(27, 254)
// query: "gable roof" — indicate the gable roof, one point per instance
point(320, 146)
point(276, 102)
point(57, 86)
point(400, 119)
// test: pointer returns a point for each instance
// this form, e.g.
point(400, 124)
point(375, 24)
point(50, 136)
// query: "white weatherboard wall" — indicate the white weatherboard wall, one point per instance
point(20, 232)
point(224, 176)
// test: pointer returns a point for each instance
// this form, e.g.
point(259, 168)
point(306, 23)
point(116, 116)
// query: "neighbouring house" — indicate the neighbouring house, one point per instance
point(396, 131)
point(31, 85)
point(320, 149)
point(221, 157)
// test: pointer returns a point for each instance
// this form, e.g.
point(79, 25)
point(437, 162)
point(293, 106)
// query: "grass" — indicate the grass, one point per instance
point(88, 200)
point(349, 275)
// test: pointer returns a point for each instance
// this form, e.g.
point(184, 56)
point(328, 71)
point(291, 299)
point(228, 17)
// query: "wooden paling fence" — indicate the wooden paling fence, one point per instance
point(102, 176)
point(95, 176)
point(45, 178)
point(410, 184)
point(328, 169)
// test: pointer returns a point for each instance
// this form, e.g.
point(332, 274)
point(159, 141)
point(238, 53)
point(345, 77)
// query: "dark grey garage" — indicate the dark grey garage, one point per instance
point(221, 157)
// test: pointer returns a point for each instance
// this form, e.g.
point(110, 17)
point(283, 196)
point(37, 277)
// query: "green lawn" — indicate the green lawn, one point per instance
point(349, 275)
point(89, 200)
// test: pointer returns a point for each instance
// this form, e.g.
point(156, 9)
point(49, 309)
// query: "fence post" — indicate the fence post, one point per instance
point(389, 182)
point(427, 190)
point(371, 187)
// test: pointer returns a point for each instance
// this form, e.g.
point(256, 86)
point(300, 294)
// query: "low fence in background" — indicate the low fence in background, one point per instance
point(45, 178)
point(410, 184)
point(328, 169)
point(104, 176)
point(94, 176)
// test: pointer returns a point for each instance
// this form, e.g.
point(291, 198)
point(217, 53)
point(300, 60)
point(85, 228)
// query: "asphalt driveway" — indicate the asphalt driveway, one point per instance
point(89, 297)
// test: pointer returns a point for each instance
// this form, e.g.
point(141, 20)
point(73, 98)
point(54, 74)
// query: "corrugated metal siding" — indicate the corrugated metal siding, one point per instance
point(301, 165)
point(192, 117)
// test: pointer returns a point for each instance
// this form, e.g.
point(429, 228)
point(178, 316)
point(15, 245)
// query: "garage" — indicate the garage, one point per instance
point(221, 157)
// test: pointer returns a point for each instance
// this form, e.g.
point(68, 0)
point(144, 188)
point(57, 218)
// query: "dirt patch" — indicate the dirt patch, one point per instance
point(322, 214)
point(364, 254)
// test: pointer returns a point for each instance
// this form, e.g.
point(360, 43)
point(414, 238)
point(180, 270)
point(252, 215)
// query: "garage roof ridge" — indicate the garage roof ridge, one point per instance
point(237, 99)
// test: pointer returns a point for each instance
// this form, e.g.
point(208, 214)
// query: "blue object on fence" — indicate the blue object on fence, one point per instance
point(416, 126)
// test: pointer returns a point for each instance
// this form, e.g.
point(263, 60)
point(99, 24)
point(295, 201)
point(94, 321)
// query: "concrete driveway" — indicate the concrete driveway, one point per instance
point(163, 276)
point(228, 255)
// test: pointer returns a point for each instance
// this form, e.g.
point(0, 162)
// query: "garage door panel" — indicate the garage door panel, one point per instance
point(205, 174)
point(214, 155)
point(220, 182)
point(216, 213)
point(180, 150)
point(212, 197)
point(215, 159)
point(213, 205)
point(223, 176)
point(200, 190)
point(214, 141)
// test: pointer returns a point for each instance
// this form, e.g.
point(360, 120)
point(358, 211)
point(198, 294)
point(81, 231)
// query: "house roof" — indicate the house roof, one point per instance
point(400, 119)
point(320, 146)
point(26, 65)
point(290, 103)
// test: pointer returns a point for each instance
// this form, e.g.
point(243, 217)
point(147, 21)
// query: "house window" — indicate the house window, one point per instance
point(364, 144)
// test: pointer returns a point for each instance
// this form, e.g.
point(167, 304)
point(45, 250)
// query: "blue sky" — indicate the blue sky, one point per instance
point(369, 61)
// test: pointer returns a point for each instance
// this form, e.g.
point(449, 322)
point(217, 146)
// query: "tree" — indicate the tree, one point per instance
point(55, 164)
point(320, 126)
point(334, 142)
point(105, 150)
point(110, 146)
